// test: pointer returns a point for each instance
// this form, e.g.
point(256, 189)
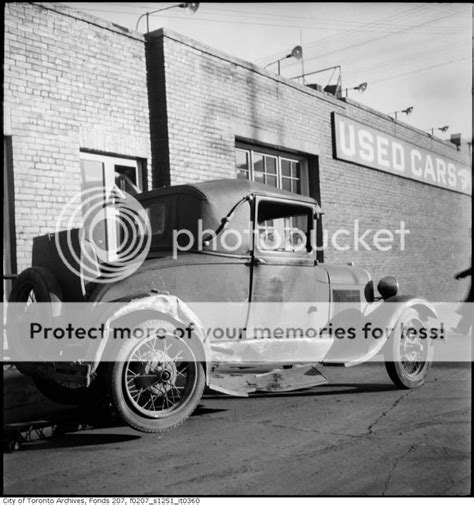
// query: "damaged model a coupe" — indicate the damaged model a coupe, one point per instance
point(247, 258)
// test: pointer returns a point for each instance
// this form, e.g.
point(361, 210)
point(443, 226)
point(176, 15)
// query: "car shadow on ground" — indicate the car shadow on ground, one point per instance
point(202, 411)
point(81, 438)
point(76, 430)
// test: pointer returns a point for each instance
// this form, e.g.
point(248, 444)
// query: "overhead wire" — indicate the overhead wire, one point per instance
point(348, 35)
point(363, 42)
point(419, 70)
point(371, 71)
point(407, 14)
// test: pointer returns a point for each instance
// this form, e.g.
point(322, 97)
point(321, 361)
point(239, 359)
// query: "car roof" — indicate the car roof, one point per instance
point(230, 190)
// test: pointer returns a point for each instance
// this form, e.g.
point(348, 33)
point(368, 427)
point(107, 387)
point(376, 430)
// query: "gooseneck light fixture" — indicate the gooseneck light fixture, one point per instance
point(361, 87)
point(190, 7)
point(406, 111)
point(296, 53)
point(441, 129)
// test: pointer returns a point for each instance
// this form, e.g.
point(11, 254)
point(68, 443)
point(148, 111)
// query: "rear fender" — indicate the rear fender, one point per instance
point(160, 306)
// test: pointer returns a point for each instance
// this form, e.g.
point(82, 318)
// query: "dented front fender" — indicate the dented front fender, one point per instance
point(383, 316)
point(386, 317)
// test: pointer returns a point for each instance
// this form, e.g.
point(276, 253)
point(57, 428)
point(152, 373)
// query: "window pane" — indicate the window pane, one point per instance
point(92, 174)
point(271, 165)
point(242, 164)
point(272, 180)
point(295, 185)
point(126, 179)
point(258, 163)
point(286, 183)
point(283, 228)
point(286, 168)
point(259, 177)
point(295, 169)
point(242, 174)
point(94, 205)
point(157, 216)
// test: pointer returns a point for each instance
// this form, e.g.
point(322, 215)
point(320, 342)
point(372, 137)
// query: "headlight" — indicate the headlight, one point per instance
point(388, 286)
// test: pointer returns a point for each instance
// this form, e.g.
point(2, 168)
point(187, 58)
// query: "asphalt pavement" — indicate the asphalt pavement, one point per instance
point(358, 435)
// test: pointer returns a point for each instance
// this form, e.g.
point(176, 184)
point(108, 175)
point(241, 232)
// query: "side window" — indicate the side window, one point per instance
point(283, 227)
point(156, 213)
point(162, 218)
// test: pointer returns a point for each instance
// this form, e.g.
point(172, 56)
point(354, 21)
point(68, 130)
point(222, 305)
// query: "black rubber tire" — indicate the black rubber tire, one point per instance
point(37, 279)
point(393, 364)
point(138, 420)
point(46, 289)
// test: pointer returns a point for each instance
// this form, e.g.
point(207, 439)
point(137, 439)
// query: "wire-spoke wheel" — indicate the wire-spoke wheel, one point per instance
point(157, 380)
point(409, 352)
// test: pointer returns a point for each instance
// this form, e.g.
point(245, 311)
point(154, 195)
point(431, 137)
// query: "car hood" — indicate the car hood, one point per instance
point(347, 275)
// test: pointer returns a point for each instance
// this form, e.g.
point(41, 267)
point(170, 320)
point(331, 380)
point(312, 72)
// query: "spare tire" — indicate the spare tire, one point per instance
point(38, 284)
point(35, 284)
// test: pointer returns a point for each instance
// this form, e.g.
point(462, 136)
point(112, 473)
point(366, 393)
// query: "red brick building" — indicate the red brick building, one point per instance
point(87, 100)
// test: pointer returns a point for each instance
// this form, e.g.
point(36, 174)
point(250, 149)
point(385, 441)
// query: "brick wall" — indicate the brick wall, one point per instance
point(212, 99)
point(71, 82)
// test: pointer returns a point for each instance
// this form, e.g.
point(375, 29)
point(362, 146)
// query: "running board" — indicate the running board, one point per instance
point(278, 380)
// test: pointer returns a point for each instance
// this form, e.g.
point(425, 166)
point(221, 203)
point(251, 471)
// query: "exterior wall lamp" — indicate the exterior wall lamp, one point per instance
point(361, 87)
point(406, 111)
point(296, 53)
point(191, 7)
point(442, 129)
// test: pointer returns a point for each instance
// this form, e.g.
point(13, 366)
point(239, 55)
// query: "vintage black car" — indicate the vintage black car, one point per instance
point(264, 271)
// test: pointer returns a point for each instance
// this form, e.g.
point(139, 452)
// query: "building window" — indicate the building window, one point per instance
point(280, 170)
point(106, 173)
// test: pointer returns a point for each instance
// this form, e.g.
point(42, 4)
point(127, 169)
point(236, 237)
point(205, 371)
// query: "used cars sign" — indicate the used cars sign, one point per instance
point(369, 147)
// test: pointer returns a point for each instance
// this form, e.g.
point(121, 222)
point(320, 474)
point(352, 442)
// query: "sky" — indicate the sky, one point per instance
point(410, 54)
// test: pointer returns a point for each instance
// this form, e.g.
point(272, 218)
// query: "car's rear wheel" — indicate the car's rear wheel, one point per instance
point(38, 285)
point(156, 381)
point(409, 352)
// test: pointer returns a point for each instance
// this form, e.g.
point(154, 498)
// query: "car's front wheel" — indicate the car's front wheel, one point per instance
point(408, 352)
point(156, 381)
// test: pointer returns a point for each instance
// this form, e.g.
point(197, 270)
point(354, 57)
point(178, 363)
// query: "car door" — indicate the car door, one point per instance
point(289, 291)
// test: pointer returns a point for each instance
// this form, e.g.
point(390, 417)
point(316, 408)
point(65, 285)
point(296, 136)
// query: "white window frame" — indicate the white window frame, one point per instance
point(279, 155)
point(108, 177)
point(109, 166)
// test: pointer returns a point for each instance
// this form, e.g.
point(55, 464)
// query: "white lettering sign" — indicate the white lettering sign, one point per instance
point(369, 147)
